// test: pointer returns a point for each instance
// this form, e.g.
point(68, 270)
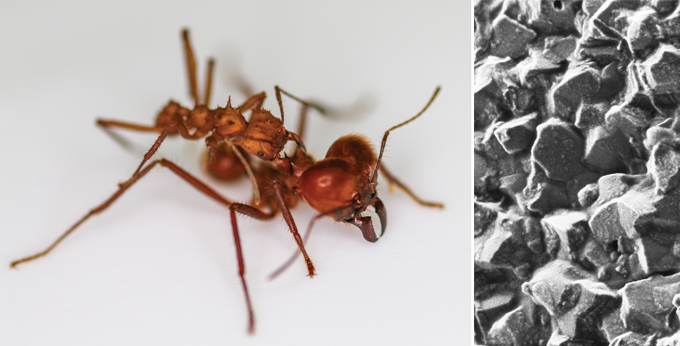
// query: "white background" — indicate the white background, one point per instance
point(159, 266)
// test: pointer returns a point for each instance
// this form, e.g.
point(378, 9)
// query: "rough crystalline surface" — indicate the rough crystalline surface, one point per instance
point(577, 172)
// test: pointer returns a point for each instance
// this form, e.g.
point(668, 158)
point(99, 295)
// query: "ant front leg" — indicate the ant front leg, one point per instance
point(294, 256)
point(121, 189)
point(285, 211)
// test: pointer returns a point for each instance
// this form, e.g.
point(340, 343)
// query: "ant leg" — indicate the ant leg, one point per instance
point(106, 124)
point(281, 203)
point(208, 82)
point(295, 254)
point(121, 189)
point(152, 151)
point(257, 214)
point(392, 180)
point(308, 104)
point(303, 120)
point(191, 65)
point(249, 170)
point(253, 102)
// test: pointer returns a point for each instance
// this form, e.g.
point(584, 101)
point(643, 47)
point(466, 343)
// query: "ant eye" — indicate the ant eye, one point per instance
point(260, 154)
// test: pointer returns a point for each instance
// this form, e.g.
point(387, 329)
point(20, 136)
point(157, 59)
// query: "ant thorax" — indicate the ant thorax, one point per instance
point(264, 137)
point(228, 121)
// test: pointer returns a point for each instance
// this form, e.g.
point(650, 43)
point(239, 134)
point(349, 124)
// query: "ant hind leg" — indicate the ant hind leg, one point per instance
point(257, 214)
point(121, 189)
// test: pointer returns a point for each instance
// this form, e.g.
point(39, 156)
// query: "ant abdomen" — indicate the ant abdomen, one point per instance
point(226, 166)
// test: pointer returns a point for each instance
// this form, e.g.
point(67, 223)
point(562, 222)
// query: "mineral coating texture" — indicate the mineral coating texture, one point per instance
point(577, 172)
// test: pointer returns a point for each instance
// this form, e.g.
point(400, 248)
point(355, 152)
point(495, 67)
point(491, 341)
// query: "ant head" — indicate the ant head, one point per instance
point(168, 114)
point(225, 165)
point(342, 186)
point(229, 121)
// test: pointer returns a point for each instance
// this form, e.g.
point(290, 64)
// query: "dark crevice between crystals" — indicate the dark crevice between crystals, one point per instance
point(577, 172)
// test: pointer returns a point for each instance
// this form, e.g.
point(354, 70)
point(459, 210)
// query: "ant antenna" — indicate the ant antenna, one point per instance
point(387, 133)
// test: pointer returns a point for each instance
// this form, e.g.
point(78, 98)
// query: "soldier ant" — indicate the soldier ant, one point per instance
point(341, 186)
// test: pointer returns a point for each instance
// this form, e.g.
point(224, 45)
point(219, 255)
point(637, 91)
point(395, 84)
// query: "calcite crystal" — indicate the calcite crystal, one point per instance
point(577, 172)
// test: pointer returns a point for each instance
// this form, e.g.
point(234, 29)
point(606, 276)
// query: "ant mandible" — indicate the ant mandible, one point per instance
point(341, 186)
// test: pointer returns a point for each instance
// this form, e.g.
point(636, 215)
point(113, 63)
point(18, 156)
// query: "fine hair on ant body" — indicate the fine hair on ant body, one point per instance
point(341, 186)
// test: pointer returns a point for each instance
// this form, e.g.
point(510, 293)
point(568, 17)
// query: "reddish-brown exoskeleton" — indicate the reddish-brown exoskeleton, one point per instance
point(341, 186)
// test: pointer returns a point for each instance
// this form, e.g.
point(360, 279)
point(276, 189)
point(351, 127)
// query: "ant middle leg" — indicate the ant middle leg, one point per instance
point(121, 189)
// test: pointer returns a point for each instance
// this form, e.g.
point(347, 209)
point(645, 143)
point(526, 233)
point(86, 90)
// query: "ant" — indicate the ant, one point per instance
point(263, 136)
point(341, 186)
